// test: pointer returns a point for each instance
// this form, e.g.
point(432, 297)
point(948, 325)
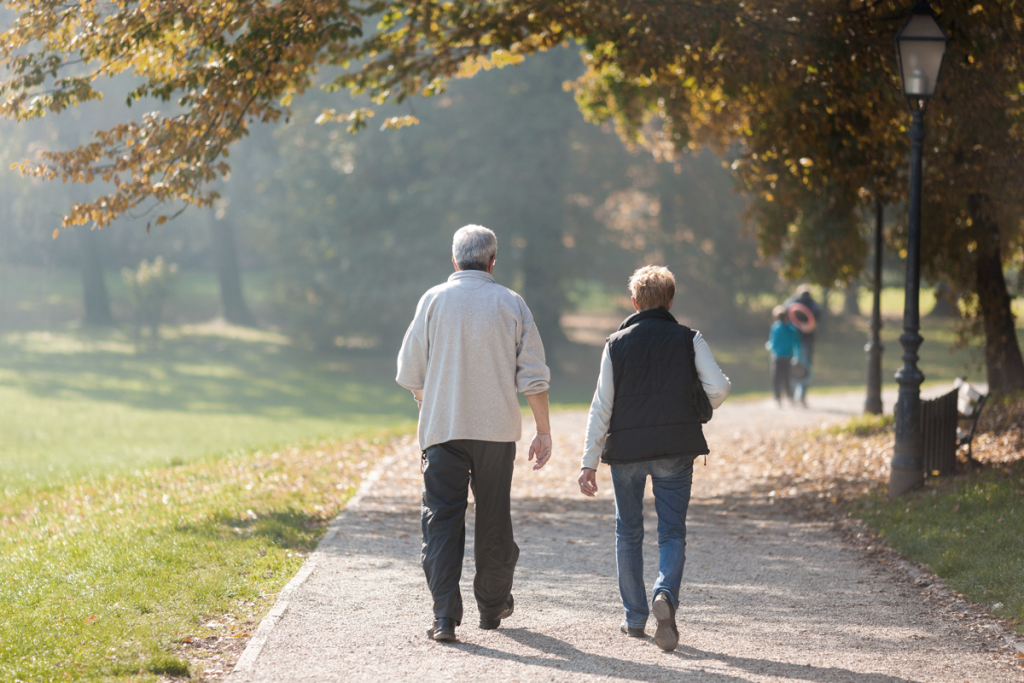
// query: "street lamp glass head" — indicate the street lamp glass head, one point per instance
point(920, 46)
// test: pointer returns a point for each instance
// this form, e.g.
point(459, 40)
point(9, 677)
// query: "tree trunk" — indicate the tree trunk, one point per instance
point(873, 402)
point(225, 260)
point(851, 304)
point(945, 303)
point(1003, 362)
point(543, 289)
point(94, 289)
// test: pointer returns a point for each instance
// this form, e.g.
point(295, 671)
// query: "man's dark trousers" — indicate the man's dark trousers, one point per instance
point(449, 469)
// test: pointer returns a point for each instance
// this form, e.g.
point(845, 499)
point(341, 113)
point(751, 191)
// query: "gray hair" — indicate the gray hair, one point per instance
point(473, 247)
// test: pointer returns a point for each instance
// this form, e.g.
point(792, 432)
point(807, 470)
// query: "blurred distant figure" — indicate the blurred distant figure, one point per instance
point(784, 344)
point(805, 313)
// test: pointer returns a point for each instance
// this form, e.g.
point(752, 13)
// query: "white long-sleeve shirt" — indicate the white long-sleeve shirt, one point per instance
point(716, 386)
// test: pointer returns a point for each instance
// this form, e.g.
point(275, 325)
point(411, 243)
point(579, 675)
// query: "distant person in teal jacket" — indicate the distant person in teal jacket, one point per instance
point(784, 344)
point(802, 306)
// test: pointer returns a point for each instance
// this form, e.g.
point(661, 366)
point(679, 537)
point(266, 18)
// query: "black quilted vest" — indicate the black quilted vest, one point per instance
point(653, 415)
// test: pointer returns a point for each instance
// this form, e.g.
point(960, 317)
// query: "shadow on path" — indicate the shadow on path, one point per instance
point(765, 597)
point(561, 655)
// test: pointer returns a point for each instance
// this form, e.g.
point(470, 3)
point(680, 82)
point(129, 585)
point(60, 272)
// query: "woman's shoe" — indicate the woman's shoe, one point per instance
point(632, 631)
point(667, 635)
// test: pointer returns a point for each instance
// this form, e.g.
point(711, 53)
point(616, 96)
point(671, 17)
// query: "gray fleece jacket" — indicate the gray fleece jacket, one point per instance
point(471, 347)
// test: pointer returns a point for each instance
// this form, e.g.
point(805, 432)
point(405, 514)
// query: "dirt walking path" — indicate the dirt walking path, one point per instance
point(765, 596)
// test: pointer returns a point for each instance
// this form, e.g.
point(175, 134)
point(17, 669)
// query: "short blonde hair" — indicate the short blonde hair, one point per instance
point(652, 286)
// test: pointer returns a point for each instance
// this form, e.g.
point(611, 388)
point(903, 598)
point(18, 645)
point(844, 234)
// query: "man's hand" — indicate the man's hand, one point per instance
point(588, 482)
point(540, 449)
point(541, 446)
point(418, 395)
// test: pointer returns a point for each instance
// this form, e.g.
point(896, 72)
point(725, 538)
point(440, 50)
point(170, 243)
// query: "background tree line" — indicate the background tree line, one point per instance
point(354, 228)
point(803, 97)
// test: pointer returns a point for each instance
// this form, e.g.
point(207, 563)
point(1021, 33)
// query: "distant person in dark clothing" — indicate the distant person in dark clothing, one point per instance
point(784, 345)
point(805, 313)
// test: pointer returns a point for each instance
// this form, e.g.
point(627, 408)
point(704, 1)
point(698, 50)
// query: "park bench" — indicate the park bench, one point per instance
point(970, 401)
point(944, 423)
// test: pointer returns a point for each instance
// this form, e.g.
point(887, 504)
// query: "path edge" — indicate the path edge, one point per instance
point(246, 664)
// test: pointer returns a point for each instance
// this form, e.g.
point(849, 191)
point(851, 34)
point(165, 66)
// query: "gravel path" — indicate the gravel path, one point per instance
point(765, 596)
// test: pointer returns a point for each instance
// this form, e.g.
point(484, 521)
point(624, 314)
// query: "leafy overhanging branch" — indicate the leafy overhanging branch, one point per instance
point(224, 64)
point(803, 95)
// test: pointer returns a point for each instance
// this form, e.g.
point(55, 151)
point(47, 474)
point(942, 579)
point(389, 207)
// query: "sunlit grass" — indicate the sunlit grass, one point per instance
point(78, 404)
point(149, 498)
point(892, 301)
point(119, 577)
point(864, 425)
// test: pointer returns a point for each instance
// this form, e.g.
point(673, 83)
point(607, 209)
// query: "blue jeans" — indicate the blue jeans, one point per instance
point(671, 479)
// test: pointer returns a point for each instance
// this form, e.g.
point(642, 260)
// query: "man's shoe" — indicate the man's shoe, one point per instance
point(667, 635)
point(631, 631)
point(491, 624)
point(443, 630)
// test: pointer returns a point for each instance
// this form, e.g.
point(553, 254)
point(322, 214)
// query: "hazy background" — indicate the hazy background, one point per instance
point(337, 235)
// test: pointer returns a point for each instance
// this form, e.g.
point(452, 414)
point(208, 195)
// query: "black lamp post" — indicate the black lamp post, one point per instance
point(920, 46)
point(873, 402)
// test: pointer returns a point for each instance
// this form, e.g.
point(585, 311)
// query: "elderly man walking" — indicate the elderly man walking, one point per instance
point(471, 349)
point(645, 421)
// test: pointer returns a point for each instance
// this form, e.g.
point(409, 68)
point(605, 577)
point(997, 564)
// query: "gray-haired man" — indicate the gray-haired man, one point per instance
point(471, 348)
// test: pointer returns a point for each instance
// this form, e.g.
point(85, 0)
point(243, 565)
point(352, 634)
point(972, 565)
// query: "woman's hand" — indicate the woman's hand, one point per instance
point(588, 482)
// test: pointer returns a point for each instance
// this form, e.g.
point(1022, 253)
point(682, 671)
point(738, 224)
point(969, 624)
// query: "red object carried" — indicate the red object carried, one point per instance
point(802, 317)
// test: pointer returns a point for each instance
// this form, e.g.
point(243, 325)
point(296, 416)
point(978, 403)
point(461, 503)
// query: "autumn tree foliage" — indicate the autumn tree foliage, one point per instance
point(804, 94)
point(808, 95)
point(811, 92)
point(220, 66)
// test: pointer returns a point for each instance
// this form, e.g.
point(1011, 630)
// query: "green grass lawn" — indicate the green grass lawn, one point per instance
point(80, 404)
point(967, 529)
point(89, 403)
point(153, 499)
point(133, 577)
